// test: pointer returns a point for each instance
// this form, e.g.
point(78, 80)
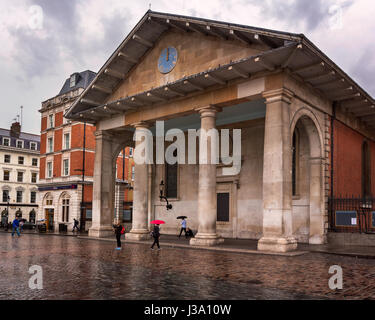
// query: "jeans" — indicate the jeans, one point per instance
point(17, 230)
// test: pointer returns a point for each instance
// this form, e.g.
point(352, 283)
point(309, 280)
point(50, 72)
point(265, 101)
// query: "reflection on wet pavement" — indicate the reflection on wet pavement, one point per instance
point(90, 269)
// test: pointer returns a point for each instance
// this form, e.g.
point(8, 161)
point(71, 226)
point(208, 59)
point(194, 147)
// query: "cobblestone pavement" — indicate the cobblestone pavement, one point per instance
point(89, 269)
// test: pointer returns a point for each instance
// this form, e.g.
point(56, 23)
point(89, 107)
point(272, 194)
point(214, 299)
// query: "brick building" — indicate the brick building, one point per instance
point(67, 160)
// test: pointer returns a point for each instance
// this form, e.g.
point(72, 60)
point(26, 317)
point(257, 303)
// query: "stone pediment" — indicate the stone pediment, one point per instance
point(195, 54)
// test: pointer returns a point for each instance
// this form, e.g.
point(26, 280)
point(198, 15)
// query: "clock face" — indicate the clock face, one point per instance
point(167, 60)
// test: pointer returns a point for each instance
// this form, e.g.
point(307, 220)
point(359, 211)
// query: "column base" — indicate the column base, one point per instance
point(318, 239)
point(101, 232)
point(206, 240)
point(138, 235)
point(277, 244)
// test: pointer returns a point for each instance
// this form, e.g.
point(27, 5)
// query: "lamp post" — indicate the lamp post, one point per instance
point(168, 206)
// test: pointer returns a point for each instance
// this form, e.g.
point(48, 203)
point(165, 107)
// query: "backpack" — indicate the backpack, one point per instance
point(122, 230)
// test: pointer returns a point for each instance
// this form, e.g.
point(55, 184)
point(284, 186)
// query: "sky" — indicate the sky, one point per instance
point(44, 41)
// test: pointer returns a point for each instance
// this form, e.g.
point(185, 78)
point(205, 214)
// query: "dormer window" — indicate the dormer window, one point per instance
point(73, 80)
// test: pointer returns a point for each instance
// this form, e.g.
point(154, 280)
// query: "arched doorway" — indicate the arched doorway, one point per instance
point(307, 179)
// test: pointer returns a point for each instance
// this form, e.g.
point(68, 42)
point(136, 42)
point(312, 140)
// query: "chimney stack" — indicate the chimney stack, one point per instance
point(15, 129)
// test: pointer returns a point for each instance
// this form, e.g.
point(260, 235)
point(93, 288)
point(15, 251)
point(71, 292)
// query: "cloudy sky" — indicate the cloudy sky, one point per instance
point(44, 41)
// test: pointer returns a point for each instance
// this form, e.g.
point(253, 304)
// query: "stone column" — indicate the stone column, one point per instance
point(277, 174)
point(207, 201)
point(104, 182)
point(317, 234)
point(140, 222)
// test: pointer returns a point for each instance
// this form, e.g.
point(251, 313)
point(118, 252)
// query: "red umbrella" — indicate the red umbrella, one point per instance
point(157, 222)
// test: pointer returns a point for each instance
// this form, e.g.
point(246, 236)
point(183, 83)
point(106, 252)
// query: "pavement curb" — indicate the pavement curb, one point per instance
point(184, 246)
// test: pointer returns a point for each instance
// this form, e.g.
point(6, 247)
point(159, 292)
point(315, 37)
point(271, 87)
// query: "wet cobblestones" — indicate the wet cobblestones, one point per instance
point(88, 269)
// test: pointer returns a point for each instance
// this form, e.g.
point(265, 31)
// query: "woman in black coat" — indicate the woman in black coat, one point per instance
point(156, 235)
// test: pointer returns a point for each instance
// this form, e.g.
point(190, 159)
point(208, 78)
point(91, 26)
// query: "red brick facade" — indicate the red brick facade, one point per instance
point(347, 161)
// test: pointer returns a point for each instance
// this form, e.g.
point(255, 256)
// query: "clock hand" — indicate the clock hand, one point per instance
point(167, 54)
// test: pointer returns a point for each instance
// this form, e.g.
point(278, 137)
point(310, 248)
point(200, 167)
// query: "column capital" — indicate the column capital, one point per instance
point(281, 94)
point(208, 111)
point(141, 125)
point(101, 134)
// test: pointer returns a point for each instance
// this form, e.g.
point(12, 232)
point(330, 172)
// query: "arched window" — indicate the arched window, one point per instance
point(295, 161)
point(366, 170)
point(65, 202)
point(48, 199)
point(32, 215)
point(19, 213)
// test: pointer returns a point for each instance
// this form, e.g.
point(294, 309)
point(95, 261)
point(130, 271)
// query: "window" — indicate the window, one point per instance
point(66, 141)
point(6, 175)
point(7, 158)
point(50, 144)
point(295, 162)
point(19, 176)
point(49, 169)
point(171, 178)
point(50, 121)
point(33, 145)
point(19, 144)
point(130, 152)
point(223, 207)
point(6, 142)
point(65, 208)
point(19, 196)
point(65, 167)
point(73, 80)
point(32, 197)
point(133, 172)
point(34, 162)
point(34, 177)
point(49, 200)
point(5, 195)
point(21, 160)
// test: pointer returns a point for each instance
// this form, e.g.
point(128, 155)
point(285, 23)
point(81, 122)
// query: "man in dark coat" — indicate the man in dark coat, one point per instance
point(156, 236)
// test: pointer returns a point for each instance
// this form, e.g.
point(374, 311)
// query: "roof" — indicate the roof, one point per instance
point(23, 135)
point(285, 51)
point(84, 79)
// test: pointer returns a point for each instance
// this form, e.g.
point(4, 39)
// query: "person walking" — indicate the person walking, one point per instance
point(118, 231)
point(21, 225)
point(183, 228)
point(75, 224)
point(16, 227)
point(156, 236)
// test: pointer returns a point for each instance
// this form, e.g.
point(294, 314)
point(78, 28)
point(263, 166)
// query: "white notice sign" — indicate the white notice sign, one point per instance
point(354, 221)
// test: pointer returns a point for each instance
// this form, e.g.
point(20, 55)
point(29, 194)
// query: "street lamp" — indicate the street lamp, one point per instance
point(169, 206)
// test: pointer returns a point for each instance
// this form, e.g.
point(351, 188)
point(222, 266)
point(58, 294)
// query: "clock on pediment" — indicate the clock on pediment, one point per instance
point(167, 60)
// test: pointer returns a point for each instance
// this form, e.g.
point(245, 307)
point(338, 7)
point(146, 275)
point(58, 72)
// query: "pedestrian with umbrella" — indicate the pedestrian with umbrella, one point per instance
point(183, 225)
point(156, 233)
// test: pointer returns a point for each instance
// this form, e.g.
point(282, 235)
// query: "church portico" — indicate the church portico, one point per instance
point(264, 91)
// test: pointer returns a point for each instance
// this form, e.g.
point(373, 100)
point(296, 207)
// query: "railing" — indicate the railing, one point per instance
point(352, 214)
